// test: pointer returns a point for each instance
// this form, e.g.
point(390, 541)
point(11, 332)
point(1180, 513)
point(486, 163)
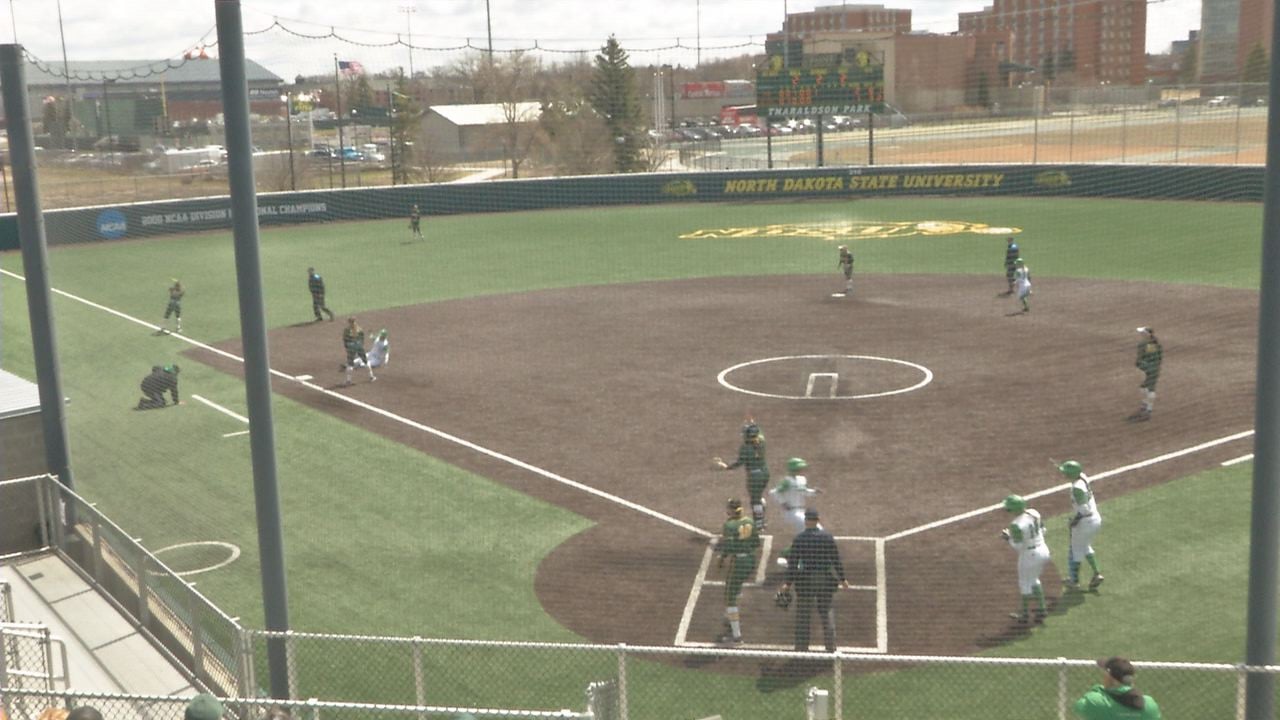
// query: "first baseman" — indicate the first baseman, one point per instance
point(845, 263)
point(1022, 283)
point(1150, 355)
point(175, 304)
point(1011, 254)
point(1083, 525)
point(738, 544)
point(1026, 535)
point(793, 494)
point(751, 457)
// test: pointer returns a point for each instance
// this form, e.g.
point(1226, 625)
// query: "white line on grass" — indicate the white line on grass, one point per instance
point(1237, 461)
point(1093, 478)
point(235, 434)
point(400, 419)
point(222, 410)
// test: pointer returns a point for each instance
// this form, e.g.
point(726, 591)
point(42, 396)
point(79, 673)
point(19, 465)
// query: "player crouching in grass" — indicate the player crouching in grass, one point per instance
point(154, 386)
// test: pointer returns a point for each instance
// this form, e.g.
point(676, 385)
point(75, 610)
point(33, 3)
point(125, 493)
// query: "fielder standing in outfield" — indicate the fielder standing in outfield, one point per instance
point(175, 305)
point(845, 263)
point(1083, 526)
point(1022, 283)
point(1026, 535)
point(751, 457)
point(315, 284)
point(1011, 253)
point(379, 353)
point(1150, 356)
point(793, 495)
point(353, 343)
point(739, 541)
point(415, 222)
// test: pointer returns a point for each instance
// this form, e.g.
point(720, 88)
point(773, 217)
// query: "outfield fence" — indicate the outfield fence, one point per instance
point(388, 676)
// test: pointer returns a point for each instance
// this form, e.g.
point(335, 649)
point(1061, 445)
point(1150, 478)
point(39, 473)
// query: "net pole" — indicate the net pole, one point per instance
point(1264, 532)
point(35, 264)
point(253, 332)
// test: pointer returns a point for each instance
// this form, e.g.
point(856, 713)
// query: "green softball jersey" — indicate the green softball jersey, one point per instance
point(739, 537)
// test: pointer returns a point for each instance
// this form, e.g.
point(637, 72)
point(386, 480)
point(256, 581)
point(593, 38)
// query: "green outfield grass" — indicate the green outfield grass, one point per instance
point(384, 540)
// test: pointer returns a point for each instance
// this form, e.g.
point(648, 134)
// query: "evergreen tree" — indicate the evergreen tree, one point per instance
point(613, 95)
point(405, 117)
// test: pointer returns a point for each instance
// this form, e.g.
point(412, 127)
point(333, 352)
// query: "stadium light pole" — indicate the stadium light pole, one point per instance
point(66, 72)
point(488, 24)
point(408, 11)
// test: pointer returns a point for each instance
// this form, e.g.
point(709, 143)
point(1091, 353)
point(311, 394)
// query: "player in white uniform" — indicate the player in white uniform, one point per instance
point(379, 353)
point(1022, 283)
point(793, 494)
point(1026, 535)
point(1084, 525)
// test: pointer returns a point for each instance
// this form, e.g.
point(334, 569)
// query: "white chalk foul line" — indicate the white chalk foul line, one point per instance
point(397, 418)
point(221, 409)
point(1237, 461)
point(1092, 478)
point(235, 434)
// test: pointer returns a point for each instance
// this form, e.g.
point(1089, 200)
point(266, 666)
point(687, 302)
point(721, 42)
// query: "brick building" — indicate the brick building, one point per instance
point(846, 18)
point(1078, 41)
point(1229, 29)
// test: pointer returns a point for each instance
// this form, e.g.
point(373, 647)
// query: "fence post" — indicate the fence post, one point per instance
point(1062, 688)
point(1242, 678)
point(40, 505)
point(419, 680)
point(1124, 131)
point(837, 684)
point(1239, 109)
point(144, 612)
point(1177, 125)
point(1071, 133)
point(313, 705)
point(1035, 135)
point(46, 646)
point(291, 664)
point(622, 681)
point(248, 684)
point(97, 549)
point(197, 635)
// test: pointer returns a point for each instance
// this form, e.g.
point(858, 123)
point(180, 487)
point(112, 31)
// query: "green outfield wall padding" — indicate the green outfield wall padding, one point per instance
point(1221, 183)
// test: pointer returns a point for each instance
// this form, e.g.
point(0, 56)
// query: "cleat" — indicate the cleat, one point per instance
point(1019, 618)
point(1095, 582)
point(1071, 586)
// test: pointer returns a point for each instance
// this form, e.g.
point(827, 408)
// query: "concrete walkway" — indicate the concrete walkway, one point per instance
point(105, 653)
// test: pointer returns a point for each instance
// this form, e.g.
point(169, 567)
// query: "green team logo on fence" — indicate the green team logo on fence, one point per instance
point(863, 230)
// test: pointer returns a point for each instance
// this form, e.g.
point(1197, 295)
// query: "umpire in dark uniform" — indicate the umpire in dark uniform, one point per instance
point(815, 571)
point(154, 386)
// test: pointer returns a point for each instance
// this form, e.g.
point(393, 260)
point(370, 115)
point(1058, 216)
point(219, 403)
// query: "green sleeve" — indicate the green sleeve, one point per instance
point(1015, 532)
point(1091, 705)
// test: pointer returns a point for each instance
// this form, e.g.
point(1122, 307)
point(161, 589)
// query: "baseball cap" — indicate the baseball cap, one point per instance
point(1119, 668)
point(84, 712)
point(1144, 329)
point(811, 514)
point(203, 707)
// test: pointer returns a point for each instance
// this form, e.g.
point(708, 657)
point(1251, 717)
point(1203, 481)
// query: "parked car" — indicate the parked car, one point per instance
point(748, 130)
point(352, 154)
point(323, 151)
point(1221, 101)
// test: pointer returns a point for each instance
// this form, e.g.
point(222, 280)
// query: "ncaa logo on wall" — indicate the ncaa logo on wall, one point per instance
point(112, 225)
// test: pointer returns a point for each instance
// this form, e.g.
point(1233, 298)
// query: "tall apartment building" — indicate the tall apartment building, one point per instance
point(1083, 41)
point(840, 18)
point(1229, 29)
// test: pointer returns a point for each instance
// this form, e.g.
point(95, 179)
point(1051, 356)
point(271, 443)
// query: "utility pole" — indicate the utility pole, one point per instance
point(342, 149)
point(408, 11)
point(66, 72)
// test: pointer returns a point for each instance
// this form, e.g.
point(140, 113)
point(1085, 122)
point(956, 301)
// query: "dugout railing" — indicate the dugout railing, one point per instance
point(418, 676)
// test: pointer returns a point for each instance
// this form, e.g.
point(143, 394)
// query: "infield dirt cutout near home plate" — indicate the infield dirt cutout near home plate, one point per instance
point(616, 387)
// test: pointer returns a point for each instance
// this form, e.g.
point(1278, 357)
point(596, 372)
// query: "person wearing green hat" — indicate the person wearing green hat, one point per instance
point(1026, 536)
point(203, 707)
point(1083, 526)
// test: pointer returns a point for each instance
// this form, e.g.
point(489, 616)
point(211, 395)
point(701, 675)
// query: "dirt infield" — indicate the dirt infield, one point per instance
point(618, 388)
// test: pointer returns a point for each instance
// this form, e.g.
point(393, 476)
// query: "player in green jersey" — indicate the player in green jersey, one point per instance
point(175, 304)
point(751, 457)
point(845, 263)
point(738, 544)
point(1150, 356)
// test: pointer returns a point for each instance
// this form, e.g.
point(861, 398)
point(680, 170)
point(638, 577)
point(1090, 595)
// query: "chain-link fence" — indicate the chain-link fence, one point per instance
point(31, 658)
point(22, 704)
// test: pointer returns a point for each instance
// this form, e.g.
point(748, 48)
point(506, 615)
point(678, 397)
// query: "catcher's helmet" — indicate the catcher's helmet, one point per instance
point(1071, 469)
point(750, 430)
point(796, 464)
point(1015, 504)
point(734, 506)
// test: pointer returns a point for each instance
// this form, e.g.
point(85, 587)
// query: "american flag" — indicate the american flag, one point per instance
point(350, 67)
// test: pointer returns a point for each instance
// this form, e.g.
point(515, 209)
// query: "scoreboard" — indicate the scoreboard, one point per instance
point(846, 88)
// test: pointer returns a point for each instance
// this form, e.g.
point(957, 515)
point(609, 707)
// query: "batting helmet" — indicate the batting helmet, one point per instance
point(750, 430)
point(1071, 469)
point(1015, 504)
point(1019, 261)
point(796, 464)
point(734, 506)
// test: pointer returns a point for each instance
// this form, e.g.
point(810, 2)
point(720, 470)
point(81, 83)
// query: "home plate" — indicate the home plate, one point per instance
point(302, 378)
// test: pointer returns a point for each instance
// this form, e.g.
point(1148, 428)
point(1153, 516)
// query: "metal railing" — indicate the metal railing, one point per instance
point(6, 602)
point(32, 658)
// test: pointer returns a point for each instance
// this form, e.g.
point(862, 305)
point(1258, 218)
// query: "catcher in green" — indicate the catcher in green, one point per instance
point(353, 342)
point(739, 542)
point(751, 457)
point(175, 304)
point(1150, 355)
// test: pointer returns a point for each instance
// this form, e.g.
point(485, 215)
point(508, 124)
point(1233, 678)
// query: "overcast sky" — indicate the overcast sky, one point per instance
point(144, 29)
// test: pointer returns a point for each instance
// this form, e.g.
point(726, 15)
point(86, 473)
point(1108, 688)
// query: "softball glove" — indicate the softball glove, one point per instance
point(783, 598)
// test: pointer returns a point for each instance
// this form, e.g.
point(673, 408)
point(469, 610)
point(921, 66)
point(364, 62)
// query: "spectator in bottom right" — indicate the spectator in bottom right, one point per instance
point(1116, 697)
